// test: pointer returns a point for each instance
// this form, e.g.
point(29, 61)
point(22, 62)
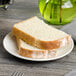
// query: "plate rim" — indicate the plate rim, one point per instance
point(31, 59)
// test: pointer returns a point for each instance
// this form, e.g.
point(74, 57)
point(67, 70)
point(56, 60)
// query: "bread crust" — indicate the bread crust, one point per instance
point(47, 45)
point(35, 54)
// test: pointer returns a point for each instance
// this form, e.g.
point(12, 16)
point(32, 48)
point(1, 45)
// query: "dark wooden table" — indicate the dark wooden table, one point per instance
point(23, 9)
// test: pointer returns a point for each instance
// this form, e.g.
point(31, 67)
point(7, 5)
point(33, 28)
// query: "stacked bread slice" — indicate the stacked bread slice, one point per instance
point(33, 52)
point(36, 39)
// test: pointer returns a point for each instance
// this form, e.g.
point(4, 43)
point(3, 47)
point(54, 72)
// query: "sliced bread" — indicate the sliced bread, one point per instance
point(27, 50)
point(37, 33)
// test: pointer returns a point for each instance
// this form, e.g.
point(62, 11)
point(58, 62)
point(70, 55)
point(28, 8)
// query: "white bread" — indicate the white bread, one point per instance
point(37, 33)
point(27, 50)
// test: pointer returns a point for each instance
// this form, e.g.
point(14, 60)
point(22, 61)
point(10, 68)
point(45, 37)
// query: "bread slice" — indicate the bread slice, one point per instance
point(27, 50)
point(37, 33)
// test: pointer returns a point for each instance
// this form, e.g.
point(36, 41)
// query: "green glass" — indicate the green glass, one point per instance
point(58, 11)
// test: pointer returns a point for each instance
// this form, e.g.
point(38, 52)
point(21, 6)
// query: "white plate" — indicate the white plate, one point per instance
point(11, 47)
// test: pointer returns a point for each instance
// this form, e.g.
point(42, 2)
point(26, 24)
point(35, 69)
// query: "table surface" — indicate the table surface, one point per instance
point(20, 10)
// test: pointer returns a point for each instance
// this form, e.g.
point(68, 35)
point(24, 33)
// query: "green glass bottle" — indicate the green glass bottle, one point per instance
point(58, 11)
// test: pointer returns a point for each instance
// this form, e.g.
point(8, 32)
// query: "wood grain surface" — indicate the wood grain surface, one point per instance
point(20, 10)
